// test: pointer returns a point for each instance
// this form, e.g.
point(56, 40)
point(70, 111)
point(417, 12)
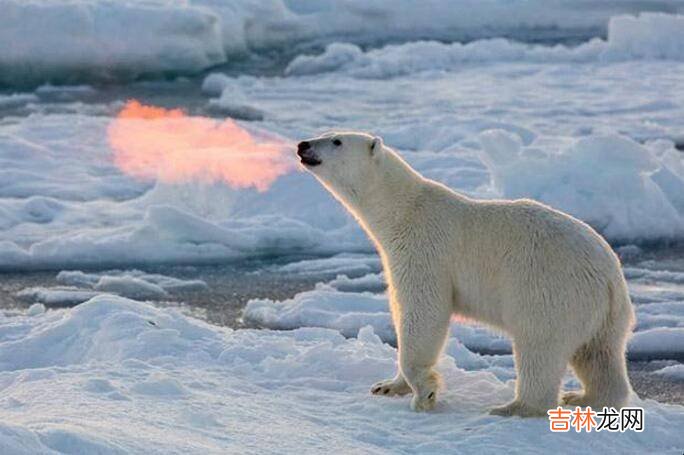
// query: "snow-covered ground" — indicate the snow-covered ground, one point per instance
point(580, 111)
point(119, 376)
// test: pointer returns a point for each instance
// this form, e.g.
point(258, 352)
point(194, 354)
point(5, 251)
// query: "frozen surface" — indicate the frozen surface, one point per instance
point(132, 378)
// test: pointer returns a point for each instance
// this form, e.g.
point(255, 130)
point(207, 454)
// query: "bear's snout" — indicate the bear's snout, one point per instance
point(307, 155)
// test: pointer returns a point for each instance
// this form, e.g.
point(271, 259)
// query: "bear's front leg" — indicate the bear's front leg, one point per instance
point(423, 325)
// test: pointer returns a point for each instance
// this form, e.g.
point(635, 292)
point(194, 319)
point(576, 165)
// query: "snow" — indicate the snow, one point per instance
point(134, 378)
point(647, 36)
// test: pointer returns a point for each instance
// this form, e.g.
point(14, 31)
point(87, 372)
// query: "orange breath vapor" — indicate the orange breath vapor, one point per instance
point(154, 143)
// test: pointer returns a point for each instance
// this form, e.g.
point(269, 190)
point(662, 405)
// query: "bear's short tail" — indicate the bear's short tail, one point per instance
point(621, 319)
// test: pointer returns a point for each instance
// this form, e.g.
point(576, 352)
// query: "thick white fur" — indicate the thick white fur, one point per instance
point(548, 280)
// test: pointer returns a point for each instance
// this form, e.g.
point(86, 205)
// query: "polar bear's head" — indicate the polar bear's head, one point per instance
point(346, 163)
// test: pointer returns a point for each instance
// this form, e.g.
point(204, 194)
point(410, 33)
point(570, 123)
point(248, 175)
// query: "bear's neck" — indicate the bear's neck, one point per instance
point(388, 208)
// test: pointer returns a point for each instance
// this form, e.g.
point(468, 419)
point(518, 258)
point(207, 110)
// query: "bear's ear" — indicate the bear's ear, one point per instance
point(376, 144)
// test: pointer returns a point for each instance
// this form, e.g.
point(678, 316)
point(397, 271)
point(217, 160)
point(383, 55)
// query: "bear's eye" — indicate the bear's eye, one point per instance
point(337, 142)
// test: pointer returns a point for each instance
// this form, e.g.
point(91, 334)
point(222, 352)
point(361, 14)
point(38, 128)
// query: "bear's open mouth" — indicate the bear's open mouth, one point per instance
point(308, 156)
point(310, 160)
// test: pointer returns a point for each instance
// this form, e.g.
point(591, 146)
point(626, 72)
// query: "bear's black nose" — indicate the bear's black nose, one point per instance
point(302, 147)
point(307, 154)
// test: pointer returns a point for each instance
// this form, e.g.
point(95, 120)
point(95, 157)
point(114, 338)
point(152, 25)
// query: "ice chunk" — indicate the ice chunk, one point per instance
point(130, 287)
point(57, 296)
point(673, 372)
point(215, 83)
point(650, 35)
point(583, 180)
point(648, 275)
point(36, 309)
point(657, 343)
point(324, 307)
point(347, 263)
point(166, 283)
point(114, 40)
point(372, 282)
point(16, 100)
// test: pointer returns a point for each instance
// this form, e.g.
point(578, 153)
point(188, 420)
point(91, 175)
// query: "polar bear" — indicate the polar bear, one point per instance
point(545, 278)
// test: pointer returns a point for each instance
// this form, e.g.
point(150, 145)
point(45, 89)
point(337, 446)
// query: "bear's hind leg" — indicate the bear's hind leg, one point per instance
point(603, 373)
point(540, 368)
